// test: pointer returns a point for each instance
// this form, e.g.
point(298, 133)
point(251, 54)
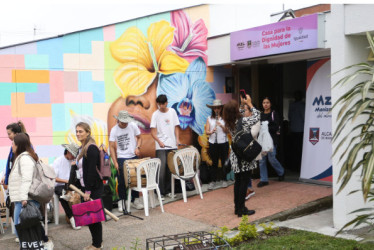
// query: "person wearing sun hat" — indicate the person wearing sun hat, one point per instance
point(62, 166)
point(124, 144)
point(218, 144)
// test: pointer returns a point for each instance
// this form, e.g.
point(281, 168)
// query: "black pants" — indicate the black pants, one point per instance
point(65, 205)
point(218, 151)
point(96, 229)
point(121, 181)
point(240, 189)
point(165, 174)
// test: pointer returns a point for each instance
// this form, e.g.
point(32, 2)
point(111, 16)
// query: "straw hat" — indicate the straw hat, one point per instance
point(72, 148)
point(124, 116)
point(216, 103)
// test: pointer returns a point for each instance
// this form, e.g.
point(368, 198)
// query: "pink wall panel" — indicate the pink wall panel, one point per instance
point(12, 61)
point(43, 127)
point(78, 97)
point(56, 79)
point(109, 33)
point(71, 81)
point(5, 75)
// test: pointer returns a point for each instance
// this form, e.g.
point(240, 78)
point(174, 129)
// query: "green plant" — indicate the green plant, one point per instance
point(357, 102)
point(268, 228)
point(136, 244)
point(246, 229)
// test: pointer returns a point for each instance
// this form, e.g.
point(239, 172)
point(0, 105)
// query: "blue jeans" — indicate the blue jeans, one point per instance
point(274, 163)
point(17, 211)
point(121, 181)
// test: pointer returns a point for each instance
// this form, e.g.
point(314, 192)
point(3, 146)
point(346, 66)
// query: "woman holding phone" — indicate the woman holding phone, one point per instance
point(241, 168)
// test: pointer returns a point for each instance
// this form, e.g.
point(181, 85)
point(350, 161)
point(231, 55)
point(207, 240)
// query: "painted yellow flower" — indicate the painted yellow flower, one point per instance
point(143, 57)
point(98, 129)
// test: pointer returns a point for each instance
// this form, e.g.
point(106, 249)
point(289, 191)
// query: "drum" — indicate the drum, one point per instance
point(180, 167)
point(129, 171)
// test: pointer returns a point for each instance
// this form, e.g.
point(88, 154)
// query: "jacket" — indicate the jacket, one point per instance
point(91, 178)
point(20, 177)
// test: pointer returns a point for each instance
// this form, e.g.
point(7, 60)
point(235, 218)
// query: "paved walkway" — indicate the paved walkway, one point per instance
point(216, 209)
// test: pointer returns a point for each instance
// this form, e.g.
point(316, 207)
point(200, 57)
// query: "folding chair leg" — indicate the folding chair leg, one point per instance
point(197, 183)
point(145, 200)
point(172, 186)
point(183, 185)
point(159, 199)
point(151, 194)
point(56, 209)
point(128, 200)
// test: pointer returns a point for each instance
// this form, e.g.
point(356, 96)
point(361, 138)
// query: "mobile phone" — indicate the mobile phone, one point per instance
point(243, 94)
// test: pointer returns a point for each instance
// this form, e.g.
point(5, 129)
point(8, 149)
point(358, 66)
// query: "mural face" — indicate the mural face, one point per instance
point(89, 76)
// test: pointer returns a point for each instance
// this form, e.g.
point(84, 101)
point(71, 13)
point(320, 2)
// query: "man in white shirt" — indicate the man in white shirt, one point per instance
point(62, 166)
point(165, 131)
point(124, 143)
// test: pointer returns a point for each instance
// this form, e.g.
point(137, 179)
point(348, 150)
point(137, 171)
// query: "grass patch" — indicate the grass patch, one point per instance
point(286, 238)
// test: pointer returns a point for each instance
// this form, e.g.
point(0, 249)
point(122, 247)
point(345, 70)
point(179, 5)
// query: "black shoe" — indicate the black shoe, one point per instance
point(246, 212)
point(281, 178)
point(262, 183)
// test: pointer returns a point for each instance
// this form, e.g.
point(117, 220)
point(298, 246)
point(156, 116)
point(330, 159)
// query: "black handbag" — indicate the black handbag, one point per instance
point(243, 144)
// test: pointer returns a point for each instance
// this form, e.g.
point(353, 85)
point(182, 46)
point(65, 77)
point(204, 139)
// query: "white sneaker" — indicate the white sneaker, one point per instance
point(137, 204)
point(211, 186)
point(16, 239)
point(72, 223)
point(224, 184)
point(170, 195)
point(48, 245)
point(120, 209)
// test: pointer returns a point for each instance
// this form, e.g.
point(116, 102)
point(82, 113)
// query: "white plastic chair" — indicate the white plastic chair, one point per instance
point(187, 157)
point(151, 168)
point(56, 209)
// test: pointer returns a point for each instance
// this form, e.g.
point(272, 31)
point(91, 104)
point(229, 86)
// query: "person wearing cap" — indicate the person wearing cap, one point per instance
point(124, 144)
point(62, 166)
point(218, 144)
point(165, 132)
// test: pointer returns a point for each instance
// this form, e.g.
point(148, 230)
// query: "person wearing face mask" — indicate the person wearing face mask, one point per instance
point(274, 129)
point(218, 144)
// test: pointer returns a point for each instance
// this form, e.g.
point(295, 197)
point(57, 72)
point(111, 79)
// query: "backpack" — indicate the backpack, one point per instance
point(244, 145)
point(43, 182)
point(104, 171)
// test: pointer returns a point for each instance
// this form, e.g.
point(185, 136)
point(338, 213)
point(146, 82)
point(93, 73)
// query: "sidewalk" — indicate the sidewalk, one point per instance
point(215, 210)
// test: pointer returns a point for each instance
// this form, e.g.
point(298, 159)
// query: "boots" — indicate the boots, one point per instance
point(72, 222)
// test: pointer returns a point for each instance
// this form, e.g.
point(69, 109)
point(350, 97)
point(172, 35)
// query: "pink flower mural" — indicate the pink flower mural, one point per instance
point(190, 39)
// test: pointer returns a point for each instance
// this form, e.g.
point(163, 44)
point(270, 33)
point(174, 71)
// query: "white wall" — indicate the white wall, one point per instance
point(345, 50)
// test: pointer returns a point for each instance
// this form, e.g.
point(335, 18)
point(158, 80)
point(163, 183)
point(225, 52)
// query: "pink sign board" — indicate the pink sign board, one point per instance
point(276, 38)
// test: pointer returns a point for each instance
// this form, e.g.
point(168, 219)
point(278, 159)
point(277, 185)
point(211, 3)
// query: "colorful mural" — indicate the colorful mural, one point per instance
point(91, 75)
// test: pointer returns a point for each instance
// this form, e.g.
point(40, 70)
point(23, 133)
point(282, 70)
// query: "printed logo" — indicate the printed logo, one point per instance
point(314, 135)
point(249, 44)
point(240, 45)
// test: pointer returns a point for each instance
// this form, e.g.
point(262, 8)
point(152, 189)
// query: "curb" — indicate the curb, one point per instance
point(305, 209)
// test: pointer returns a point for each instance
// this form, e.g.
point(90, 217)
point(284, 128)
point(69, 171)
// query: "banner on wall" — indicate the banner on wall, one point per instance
point(317, 148)
point(282, 37)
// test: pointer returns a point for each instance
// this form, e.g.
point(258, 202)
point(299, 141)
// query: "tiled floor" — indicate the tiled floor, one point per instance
point(217, 207)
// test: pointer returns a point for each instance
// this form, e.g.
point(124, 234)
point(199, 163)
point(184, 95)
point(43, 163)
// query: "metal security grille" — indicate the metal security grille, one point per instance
point(187, 241)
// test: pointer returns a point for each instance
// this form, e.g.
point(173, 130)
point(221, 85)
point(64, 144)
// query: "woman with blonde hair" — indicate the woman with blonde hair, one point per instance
point(87, 161)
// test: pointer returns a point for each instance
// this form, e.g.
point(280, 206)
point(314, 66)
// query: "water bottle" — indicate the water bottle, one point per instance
point(106, 160)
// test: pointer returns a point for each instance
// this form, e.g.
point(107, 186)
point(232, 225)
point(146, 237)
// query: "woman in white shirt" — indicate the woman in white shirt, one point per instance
point(218, 144)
